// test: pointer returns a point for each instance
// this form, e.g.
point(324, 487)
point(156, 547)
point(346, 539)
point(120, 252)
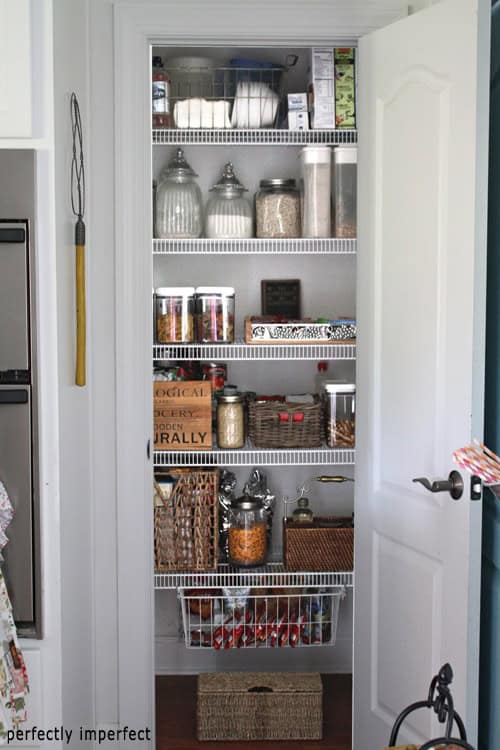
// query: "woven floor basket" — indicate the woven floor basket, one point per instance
point(186, 523)
point(260, 706)
point(273, 424)
point(318, 547)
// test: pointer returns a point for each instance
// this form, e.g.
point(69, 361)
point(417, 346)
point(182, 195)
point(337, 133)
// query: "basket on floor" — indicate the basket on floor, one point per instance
point(186, 521)
point(274, 424)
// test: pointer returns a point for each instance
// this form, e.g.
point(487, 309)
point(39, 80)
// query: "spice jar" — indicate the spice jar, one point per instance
point(230, 420)
point(174, 314)
point(277, 209)
point(228, 212)
point(316, 202)
point(247, 533)
point(340, 410)
point(178, 201)
point(215, 314)
point(345, 190)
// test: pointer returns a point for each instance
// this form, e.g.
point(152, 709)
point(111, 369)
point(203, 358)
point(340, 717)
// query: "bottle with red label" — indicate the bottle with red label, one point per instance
point(161, 95)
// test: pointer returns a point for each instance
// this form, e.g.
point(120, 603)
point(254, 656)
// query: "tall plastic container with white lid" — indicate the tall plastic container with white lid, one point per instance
point(316, 164)
point(345, 188)
point(175, 314)
point(340, 408)
point(215, 314)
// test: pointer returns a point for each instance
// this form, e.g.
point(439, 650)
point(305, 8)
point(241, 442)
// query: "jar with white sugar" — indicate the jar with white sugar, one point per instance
point(228, 213)
point(316, 186)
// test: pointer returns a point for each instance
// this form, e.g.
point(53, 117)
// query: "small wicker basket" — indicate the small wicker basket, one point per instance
point(186, 527)
point(325, 544)
point(273, 424)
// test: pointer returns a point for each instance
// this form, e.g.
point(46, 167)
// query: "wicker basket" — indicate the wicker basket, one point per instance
point(273, 424)
point(318, 546)
point(258, 706)
point(186, 523)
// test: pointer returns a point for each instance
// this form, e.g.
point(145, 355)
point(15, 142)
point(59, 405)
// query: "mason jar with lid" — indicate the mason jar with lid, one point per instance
point(277, 209)
point(179, 212)
point(215, 314)
point(340, 411)
point(174, 316)
point(247, 534)
point(230, 421)
point(228, 212)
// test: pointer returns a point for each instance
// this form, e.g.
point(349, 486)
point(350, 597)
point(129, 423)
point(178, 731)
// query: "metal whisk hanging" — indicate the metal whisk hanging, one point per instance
point(78, 206)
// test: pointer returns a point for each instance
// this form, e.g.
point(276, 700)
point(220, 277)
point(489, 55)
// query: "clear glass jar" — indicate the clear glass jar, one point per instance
point(340, 406)
point(174, 316)
point(179, 212)
point(316, 185)
point(230, 421)
point(247, 533)
point(215, 314)
point(228, 212)
point(345, 191)
point(277, 209)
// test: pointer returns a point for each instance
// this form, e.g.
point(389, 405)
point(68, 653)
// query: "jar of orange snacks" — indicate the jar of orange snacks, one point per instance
point(247, 533)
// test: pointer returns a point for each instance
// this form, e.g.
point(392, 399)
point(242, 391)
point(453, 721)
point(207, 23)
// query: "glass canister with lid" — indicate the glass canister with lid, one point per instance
point(247, 533)
point(215, 314)
point(179, 212)
point(228, 212)
point(174, 314)
point(230, 420)
point(277, 209)
point(340, 406)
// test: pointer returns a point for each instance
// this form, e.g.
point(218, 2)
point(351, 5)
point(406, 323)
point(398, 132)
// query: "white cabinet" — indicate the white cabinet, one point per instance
point(15, 69)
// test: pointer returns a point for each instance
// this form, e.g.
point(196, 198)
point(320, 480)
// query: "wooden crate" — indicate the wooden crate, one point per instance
point(182, 415)
point(319, 545)
point(259, 706)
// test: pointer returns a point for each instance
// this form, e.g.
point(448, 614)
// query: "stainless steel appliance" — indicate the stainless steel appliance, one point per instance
point(18, 436)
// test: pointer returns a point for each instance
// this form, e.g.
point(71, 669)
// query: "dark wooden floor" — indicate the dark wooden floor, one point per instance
point(176, 718)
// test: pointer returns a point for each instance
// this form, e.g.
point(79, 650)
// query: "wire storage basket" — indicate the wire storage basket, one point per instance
point(244, 94)
point(186, 520)
point(290, 617)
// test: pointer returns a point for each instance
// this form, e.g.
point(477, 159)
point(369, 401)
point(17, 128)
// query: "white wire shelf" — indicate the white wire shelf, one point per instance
point(251, 352)
point(253, 137)
point(255, 246)
point(250, 456)
point(272, 574)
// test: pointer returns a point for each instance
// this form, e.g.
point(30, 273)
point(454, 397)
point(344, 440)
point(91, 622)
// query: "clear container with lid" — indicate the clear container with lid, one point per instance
point(179, 212)
point(228, 212)
point(230, 421)
point(215, 314)
point(277, 209)
point(247, 534)
point(340, 404)
point(345, 186)
point(174, 314)
point(316, 186)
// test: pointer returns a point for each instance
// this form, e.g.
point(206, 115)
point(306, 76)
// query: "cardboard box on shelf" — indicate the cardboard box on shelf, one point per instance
point(322, 88)
point(345, 87)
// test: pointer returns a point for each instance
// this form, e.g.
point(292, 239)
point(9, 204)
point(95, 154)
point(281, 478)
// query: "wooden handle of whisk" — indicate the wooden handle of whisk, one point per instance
point(80, 304)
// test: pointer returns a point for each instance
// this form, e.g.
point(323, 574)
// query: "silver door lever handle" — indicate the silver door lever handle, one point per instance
point(454, 484)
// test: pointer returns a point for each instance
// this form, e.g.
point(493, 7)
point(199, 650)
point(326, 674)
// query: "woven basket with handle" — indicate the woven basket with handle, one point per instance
point(273, 424)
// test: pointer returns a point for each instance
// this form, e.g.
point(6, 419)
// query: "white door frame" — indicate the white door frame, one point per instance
point(137, 26)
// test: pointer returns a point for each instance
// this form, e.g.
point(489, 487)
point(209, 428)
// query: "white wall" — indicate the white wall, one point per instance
point(75, 404)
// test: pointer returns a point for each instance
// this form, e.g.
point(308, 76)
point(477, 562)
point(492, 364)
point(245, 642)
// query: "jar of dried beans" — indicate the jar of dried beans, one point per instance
point(215, 314)
point(174, 314)
point(277, 209)
point(230, 421)
point(247, 533)
point(340, 410)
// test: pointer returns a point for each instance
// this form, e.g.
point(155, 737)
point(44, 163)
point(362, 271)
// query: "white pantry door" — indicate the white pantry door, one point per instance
point(423, 110)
